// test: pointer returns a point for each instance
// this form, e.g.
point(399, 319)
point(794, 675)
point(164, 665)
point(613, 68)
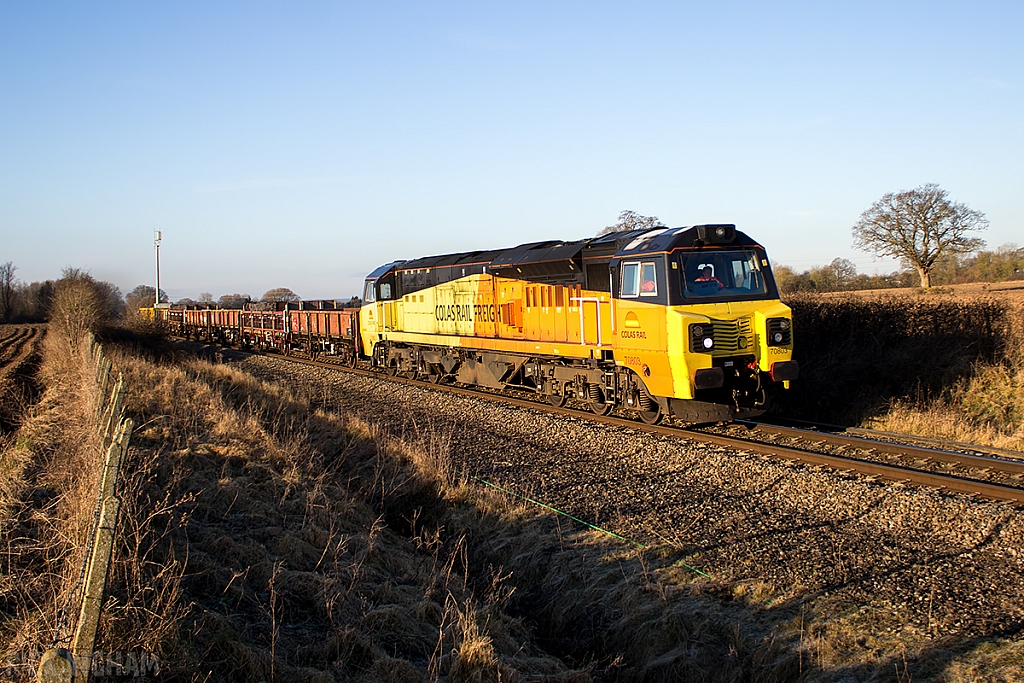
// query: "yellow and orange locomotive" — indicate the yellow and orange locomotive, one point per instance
point(667, 321)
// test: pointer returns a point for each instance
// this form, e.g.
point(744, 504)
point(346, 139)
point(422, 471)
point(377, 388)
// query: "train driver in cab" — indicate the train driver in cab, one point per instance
point(707, 276)
point(649, 285)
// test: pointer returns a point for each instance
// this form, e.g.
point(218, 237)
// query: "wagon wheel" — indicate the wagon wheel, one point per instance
point(598, 408)
point(653, 416)
point(557, 400)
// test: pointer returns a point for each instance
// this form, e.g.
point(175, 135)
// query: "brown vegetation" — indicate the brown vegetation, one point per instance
point(266, 538)
point(48, 490)
point(946, 363)
point(262, 538)
point(49, 470)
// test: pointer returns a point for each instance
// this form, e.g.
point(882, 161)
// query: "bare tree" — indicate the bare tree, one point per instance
point(7, 290)
point(845, 271)
point(82, 304)
point(631, 220)
point(919, 226)
point(281, 294)
point(205, 298)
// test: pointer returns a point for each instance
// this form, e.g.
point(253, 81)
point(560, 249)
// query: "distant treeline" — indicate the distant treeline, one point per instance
point(22, 302)
point(1005, 263)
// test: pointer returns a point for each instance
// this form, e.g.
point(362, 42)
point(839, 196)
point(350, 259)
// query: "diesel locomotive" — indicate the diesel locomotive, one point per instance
point(667, 321)
point(684, 322)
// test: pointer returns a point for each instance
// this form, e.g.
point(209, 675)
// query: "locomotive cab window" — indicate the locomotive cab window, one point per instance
point(722, 273)
point(630, 280)
point(639, 279)
point(369, 295)
point(648, 280)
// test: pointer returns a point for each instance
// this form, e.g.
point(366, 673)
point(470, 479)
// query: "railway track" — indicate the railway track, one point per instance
point(985, 477)
point(875, 435)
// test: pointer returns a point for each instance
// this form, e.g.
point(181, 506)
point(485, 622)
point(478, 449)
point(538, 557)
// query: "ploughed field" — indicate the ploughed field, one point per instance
point(869, 572)
point(19, 351)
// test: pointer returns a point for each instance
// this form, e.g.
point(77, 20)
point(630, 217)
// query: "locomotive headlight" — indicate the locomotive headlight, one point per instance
point(701, 337)
point(779, 331)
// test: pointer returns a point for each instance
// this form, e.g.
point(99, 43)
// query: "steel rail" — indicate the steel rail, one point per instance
point(877, 435)
point(942, 482)
point(969, 459)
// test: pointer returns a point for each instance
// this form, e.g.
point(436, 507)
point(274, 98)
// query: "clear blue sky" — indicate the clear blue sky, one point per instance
point(303, 144)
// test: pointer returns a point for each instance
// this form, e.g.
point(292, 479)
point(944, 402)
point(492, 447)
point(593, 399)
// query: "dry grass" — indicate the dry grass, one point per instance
point(986, 406)
point(50, 471)
point(265, 537)
point(271, 539)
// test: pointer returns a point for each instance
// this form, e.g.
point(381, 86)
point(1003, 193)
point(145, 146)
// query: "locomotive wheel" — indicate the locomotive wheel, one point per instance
point(601, 408)
point(409, 374)
point(392, 370)
point(651, 417)
point(557, 400)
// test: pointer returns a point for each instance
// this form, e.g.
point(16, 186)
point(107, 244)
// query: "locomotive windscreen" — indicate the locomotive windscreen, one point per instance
point(732, 274)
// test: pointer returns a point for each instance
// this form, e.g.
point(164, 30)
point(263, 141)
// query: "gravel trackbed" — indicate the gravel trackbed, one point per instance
point(889, 566)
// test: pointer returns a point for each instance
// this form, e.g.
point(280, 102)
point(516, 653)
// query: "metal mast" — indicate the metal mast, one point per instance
point(157, 236)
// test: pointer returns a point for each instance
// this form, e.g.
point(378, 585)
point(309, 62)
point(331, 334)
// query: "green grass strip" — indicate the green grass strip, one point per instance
point(577, 519)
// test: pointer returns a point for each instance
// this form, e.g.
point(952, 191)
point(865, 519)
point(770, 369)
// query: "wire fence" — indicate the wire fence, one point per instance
point(69, 658)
